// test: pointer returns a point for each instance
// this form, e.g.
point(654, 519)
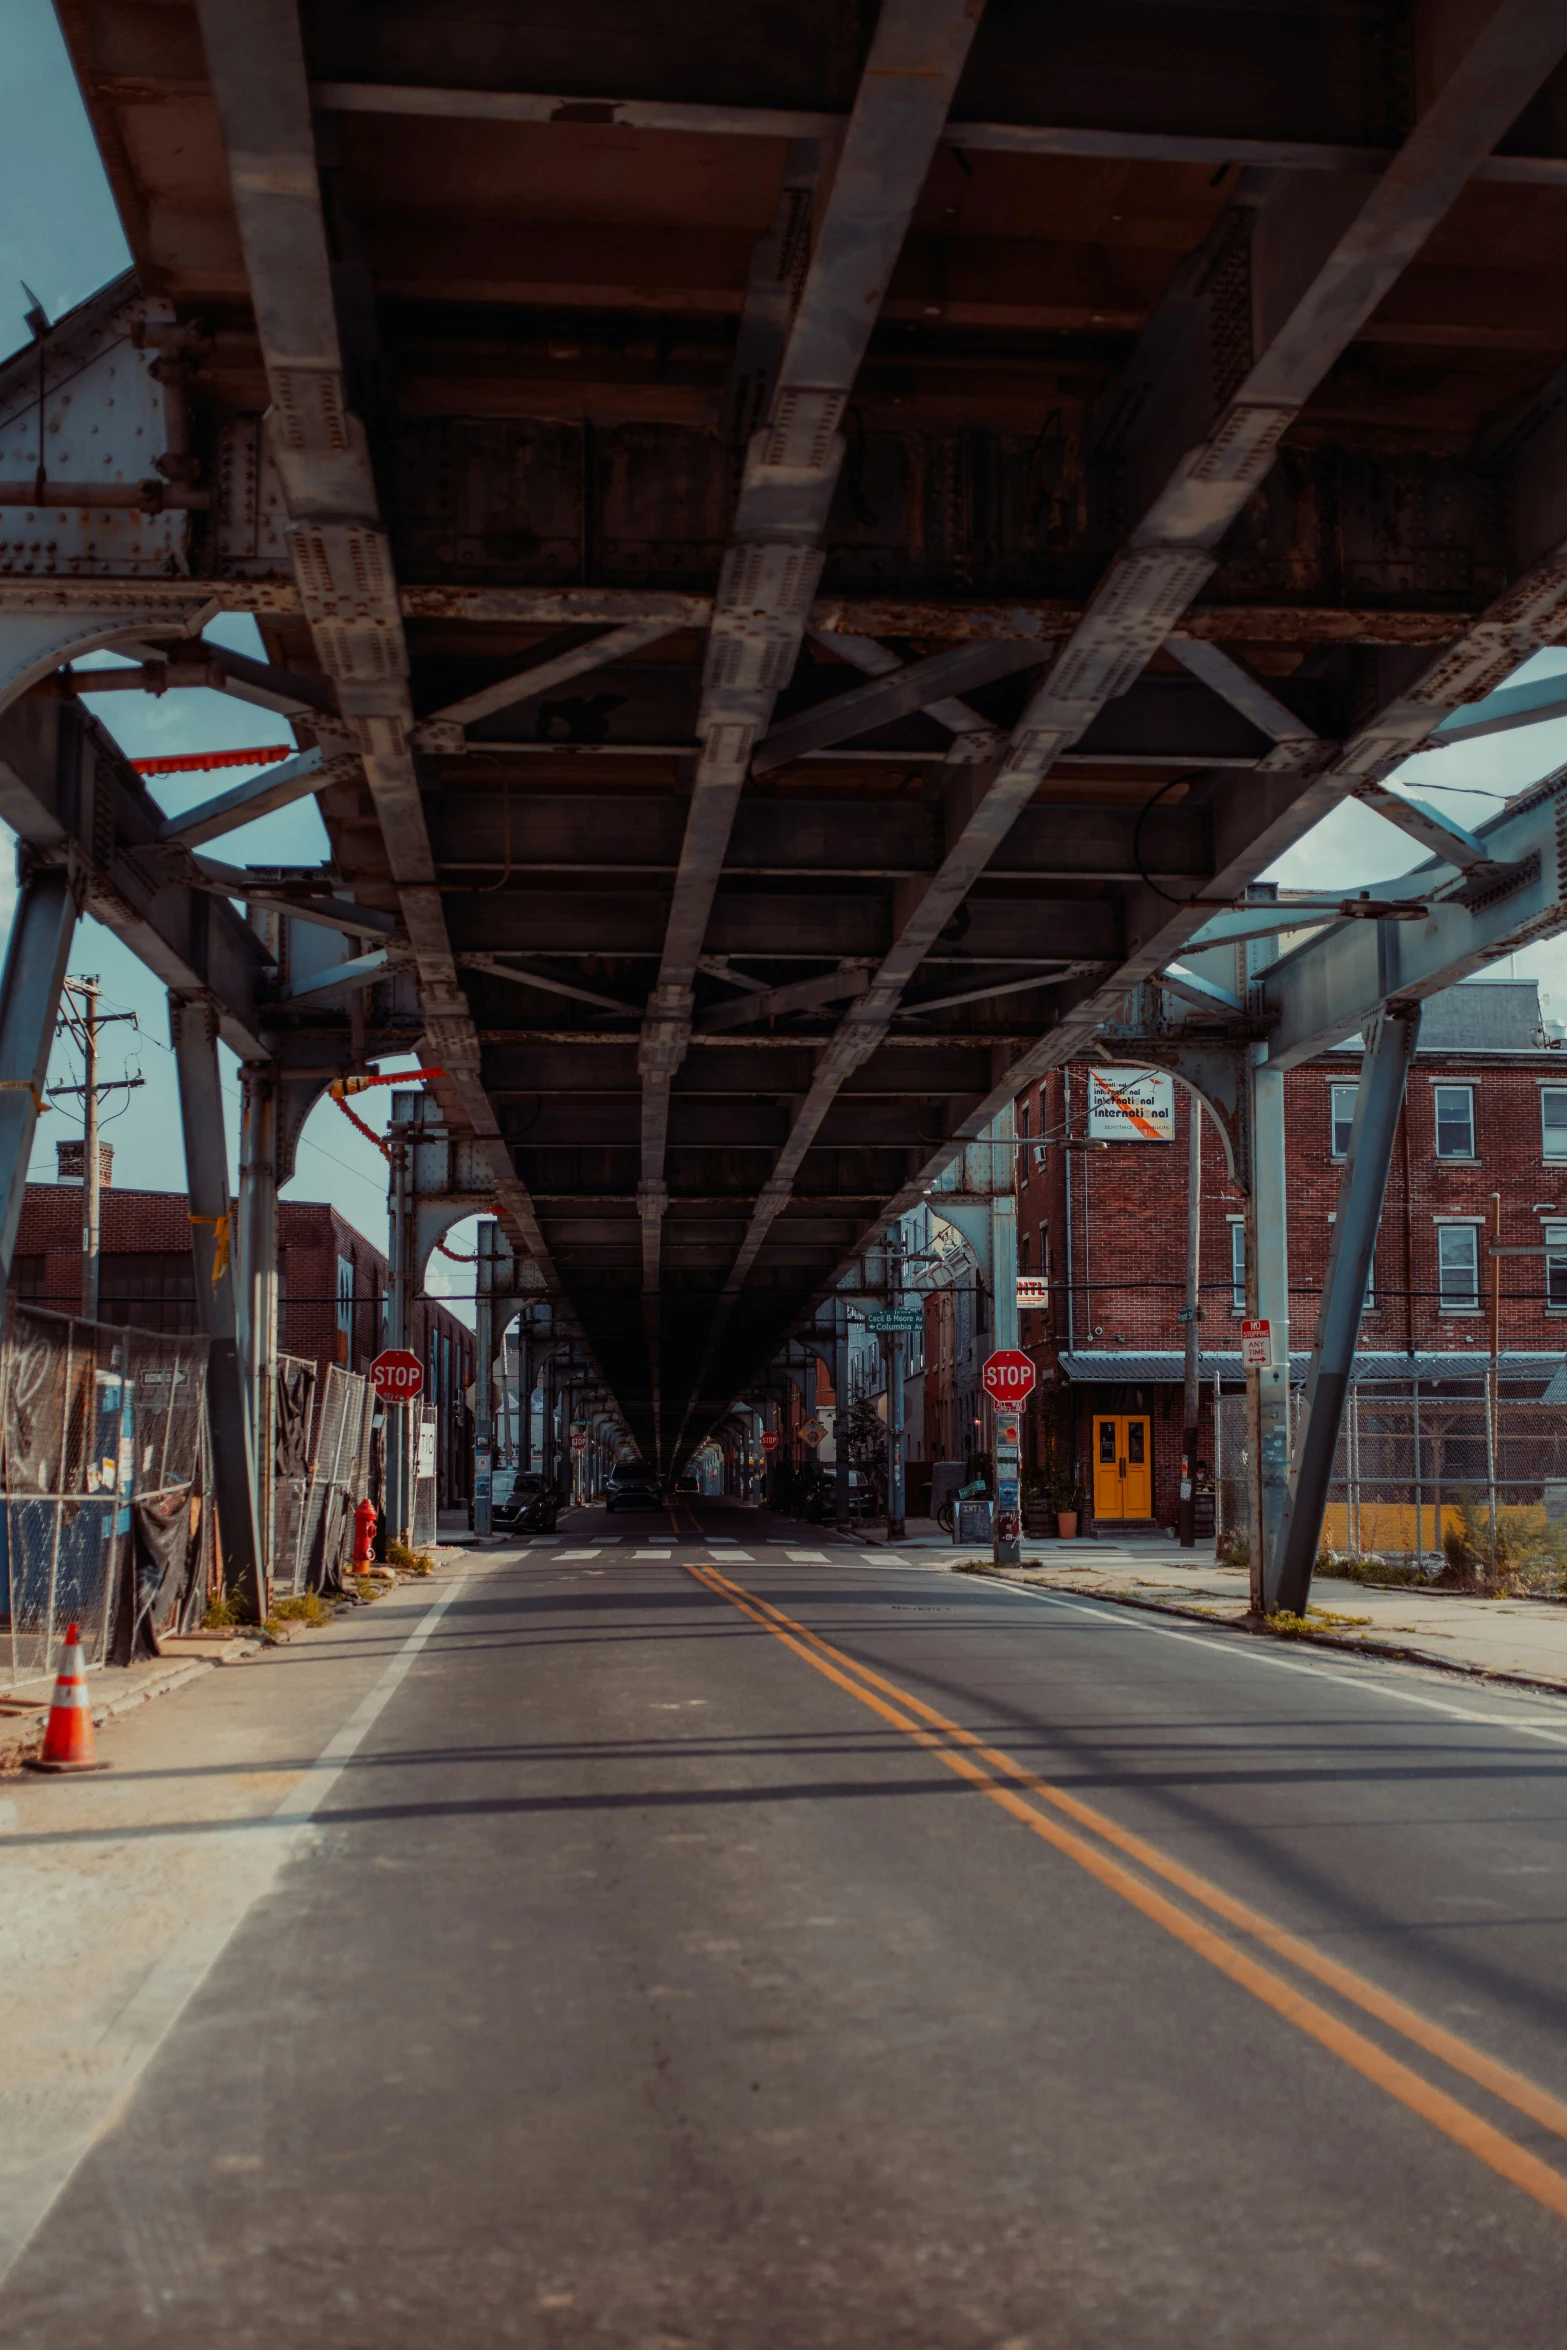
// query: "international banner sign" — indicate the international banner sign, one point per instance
point(1131, 1105)
point(1033, 1290)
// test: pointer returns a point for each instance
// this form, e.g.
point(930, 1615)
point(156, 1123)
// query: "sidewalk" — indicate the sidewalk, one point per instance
point(1512, 1639)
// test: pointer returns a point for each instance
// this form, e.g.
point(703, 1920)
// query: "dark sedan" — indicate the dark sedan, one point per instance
point(524, 1504)
point(631, 1487)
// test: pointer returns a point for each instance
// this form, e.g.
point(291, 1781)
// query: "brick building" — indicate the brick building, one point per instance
point(332, 1290)
point(1483, 1135)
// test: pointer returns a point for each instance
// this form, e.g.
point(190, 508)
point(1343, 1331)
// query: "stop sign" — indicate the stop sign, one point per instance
point(1008, 1375)
point(397, 1375)
point(769, 1441)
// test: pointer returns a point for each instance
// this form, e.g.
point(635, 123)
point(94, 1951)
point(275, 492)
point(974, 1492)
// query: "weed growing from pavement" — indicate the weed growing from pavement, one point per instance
point(308, 1607)
point(1315, 1619)
point(222, 1614)
point(409, 1562)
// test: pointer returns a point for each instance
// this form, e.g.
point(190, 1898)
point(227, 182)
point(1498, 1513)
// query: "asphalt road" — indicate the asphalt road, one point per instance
point(723, 1950)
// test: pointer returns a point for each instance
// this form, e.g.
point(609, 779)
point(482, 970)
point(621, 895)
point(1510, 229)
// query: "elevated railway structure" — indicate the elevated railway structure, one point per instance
point(810, 553)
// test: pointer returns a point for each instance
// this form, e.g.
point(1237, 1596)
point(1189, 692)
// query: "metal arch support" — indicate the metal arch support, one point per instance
point(35, 644)
point(1384, 1075)
point(1216, 1076)
point(193, 1026)
point(40, 948)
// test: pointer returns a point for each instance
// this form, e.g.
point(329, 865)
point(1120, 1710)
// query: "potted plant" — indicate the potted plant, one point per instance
point(1061, 1490)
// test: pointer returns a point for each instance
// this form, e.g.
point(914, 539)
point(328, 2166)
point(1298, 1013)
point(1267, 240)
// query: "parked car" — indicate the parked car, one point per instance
point(522, 1503)
point(820, 1497)
point(687, 1485)
point(632, 1487)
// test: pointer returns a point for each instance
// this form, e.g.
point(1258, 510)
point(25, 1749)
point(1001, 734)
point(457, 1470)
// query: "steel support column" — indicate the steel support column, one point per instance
point(1384, 1074)
point(1267, 1298)
point(41, 932)
point(258, 1184)
point(400, 1249)
point(193, 1028)
point(484, 1383)
point(842, 1502)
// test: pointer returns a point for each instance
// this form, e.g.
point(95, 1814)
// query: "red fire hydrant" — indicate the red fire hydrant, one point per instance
point(364, 1534)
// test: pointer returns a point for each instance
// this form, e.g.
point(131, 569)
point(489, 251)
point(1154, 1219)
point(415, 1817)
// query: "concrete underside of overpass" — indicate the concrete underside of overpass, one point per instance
point(828, 540)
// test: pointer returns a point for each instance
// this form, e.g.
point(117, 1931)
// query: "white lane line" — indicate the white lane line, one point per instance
point(58, 2142)
point(1254, 1652)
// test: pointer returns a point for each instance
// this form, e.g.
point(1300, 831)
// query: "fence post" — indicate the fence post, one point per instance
point(1384, 1071)
point(194, 1032)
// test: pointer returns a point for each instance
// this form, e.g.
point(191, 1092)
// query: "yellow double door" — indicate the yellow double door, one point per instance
point(1123, 1465)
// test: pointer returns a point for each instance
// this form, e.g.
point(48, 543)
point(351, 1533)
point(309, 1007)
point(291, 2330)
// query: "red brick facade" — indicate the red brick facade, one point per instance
point(1126, 1254)
point(331, 1288)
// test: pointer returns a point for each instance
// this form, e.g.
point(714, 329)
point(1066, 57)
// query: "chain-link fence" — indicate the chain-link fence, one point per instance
point(1416, 1476)
point(321, 1474)
point(101, 1453)
point(292, 1474)
point(340, 1477)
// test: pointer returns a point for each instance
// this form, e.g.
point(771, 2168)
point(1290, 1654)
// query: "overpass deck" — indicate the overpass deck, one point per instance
point(809, 548)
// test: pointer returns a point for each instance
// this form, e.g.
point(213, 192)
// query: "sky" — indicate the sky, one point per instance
point(59, 233)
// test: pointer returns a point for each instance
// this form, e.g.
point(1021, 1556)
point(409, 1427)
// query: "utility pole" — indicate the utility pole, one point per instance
point(86, 1031)
point(1193, 1318)
point(92, 1222)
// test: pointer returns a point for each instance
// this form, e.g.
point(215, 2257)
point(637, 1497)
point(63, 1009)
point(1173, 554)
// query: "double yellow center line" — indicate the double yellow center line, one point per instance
point(1042, 1809)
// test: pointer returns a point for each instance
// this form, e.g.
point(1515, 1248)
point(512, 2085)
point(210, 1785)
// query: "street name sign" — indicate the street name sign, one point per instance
point(1008, 1375)
point(397, 1375)
point(898, 1318)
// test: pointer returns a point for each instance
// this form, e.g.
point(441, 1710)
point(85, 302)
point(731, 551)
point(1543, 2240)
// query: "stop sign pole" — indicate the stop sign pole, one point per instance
point(1009, 1392)
point(1008, 1380)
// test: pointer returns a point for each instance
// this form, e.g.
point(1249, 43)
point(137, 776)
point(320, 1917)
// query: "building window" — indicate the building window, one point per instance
point(1022, 1120)
point(1555, 1237)
point(1044, 1252)
point(1455, 1121)
point(1022, 1251)
point(1238, 1266)
point(1343, 1117)
point(1458, 1268)
point(1553, 1121)
point(345, 1307)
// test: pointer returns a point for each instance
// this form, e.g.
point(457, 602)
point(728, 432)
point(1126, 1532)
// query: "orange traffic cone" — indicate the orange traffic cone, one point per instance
point(68, 1741)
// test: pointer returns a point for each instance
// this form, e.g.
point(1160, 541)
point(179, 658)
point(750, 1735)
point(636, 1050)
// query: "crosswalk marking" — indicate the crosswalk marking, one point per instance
point(650, 1554)
point(883, 1558)
point(578, 1554)
point(813, 1558)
